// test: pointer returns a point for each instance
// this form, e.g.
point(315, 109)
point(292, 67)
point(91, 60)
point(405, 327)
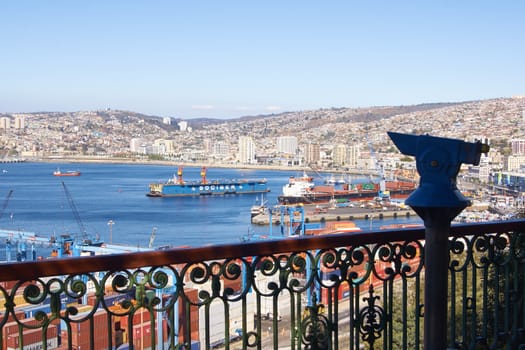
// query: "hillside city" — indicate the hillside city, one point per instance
point(329, 139)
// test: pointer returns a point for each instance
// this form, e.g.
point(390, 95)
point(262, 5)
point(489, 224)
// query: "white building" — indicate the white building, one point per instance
point(164, 147)
point(246, 150)
point(514, 163)
point(166, 120)
point(339, 154)
point(484, 168)
point(287, 145)
point(221, 150)
point(5, 123)
point(183, 125)
point(353, 153)
point(518, 146)
point(137, 145)
point(312, 153)
point(20, 122)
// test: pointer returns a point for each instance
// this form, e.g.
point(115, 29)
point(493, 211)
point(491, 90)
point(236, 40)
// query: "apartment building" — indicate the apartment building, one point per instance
point(246, 150)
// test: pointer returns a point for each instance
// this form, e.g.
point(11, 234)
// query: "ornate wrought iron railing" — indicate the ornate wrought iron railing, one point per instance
point(344, 291)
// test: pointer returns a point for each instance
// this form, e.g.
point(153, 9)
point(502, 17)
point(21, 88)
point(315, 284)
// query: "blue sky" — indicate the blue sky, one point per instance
point(225, 59)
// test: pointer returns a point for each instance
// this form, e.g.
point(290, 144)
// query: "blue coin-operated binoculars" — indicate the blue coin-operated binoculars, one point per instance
point(437, 201)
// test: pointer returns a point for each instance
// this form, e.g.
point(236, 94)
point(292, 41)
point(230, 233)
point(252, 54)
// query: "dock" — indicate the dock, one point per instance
point(316, 214)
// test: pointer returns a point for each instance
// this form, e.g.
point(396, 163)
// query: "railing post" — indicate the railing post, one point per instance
point(437, 227)
point(437, 201)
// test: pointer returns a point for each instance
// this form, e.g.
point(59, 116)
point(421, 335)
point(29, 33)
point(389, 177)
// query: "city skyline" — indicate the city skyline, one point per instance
point(231, 59)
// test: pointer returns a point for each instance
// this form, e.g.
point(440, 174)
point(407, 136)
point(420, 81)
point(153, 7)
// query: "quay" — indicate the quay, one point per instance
point(314, 213)
point(12, 160)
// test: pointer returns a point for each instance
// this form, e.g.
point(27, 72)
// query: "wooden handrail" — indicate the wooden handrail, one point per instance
point(30, 270)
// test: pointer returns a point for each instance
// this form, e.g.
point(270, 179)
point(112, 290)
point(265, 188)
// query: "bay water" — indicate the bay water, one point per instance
point(111, 203)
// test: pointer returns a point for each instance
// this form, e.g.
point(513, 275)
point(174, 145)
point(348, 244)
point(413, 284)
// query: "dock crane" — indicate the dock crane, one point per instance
point(318, 173)
point(73, 207)
point(152, 237)
point(383, 194)
point(6, 200)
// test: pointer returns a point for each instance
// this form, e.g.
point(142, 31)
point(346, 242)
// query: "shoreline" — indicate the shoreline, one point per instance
point(127, 161)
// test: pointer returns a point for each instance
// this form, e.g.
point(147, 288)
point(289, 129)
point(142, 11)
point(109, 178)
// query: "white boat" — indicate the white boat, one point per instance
point(259, 208)
point(67, 173)
point(330, 180)
point(341, 180)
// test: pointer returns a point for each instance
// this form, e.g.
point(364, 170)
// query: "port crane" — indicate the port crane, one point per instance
point(318, 173)
point(83, 233)
point(25, 242)
point(152, 237)
point(6, 200)
point(383, 194)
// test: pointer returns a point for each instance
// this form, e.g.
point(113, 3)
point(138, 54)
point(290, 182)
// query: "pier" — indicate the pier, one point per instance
point(314, 213)
point(12, 160)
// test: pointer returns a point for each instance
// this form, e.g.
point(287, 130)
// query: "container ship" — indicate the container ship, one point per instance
point(177, 187)
point(304, 190)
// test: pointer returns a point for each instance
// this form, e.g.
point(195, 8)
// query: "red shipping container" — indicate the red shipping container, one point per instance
point(8, 285)
point(63, 340)
point(91, 299)
point(193, 295)
point(142, 337)
point(11, 328)
point(81, 332)
point(141, 316)
point(32, 338)
point(19, 315)
point(343, 293)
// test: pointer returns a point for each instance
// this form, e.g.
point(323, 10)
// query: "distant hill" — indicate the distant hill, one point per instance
point(357, 114)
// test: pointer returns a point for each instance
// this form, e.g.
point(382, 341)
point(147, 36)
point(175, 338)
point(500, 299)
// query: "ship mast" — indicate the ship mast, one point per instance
point(179, 176)
point(203, 175)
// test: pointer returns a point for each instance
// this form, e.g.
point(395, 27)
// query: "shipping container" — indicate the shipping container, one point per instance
point(19, 315)
point(110, 299)
point(142, 336)
point(191, 320)
point(342, 293)
point(33, 310)
point(81, 332)
point(140, 316)
point(12, 329)
point(32, 339)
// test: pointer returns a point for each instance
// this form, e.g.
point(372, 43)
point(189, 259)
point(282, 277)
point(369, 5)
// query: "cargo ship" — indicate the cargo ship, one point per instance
point(177, 187)
point(304, 190)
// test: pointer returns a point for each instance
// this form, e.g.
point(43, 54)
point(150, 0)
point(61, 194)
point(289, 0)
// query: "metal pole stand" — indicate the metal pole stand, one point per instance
point(437, 201)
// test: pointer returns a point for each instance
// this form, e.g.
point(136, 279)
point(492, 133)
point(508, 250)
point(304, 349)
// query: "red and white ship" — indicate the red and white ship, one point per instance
point(304, 190)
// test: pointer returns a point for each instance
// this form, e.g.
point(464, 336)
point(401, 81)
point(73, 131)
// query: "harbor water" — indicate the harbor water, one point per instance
point(111, 203)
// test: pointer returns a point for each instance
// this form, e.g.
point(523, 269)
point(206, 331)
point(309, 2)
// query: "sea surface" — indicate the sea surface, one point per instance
point(117, 193)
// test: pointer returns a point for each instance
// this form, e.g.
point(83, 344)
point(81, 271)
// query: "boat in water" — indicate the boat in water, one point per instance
point(178, 187)
point(304, 190)
point(259, 207)
point(58, 172)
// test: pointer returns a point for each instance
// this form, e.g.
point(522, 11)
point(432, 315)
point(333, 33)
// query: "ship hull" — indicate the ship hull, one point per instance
point(208, 189)
point(341, 196)
point(69, 173)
